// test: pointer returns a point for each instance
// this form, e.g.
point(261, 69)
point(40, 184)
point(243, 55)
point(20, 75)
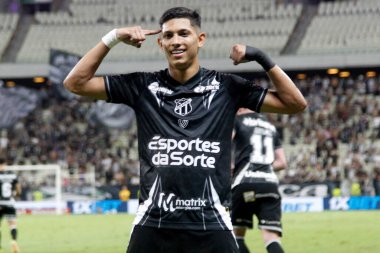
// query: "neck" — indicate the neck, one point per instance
point(183, 75)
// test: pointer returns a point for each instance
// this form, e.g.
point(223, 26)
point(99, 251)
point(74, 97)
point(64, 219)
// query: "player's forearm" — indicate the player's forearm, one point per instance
point(286, 91)
point(85, 69)
point(279, 165)
point(287, 97)
point(280, 162)
point(18, 190)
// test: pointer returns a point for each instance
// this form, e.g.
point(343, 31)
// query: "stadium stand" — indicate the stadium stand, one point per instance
point(269, 23)
point(344, 27)
point(339, 136)
point(8, 23)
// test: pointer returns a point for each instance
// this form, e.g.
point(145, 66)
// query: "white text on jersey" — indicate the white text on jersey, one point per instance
point(183, 152)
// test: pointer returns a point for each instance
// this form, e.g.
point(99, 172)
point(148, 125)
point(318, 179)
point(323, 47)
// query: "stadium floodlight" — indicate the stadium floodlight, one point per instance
point(344, 74)
point(37, 173)
point(333, 71)
point(371, 74)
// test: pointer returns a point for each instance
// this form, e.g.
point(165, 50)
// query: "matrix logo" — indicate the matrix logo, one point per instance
point(183, 152)
point(171, 203)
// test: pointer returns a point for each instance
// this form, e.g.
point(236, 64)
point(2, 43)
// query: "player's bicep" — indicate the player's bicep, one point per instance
point(95, 88)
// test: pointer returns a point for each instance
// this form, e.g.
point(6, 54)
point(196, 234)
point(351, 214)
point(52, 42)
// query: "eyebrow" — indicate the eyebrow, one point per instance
point(179, 31)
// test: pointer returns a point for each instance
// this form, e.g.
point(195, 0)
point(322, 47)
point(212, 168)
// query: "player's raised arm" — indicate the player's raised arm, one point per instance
point(81, 79)
point(286, 98)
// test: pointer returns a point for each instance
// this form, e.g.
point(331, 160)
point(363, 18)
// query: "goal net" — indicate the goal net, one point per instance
point(42, 188)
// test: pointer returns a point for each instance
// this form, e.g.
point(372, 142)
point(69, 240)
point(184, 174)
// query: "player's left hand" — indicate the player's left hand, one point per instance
point(237, 54)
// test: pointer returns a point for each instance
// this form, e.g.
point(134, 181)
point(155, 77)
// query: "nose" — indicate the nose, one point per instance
point(175, 40)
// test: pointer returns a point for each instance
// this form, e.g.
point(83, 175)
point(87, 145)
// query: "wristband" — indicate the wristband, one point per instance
point(255, 54)
point(110, 39)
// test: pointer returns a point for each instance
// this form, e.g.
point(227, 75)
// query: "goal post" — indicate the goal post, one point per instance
point(36, 173)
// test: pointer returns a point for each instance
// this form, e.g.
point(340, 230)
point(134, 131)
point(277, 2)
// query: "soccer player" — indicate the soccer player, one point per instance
point(9, 187)
point(258, 154)
point(185, 116)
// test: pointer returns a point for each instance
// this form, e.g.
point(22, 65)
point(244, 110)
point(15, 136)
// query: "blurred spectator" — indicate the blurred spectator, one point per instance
point(38, 195)
point(124, 193)
point(364, 182)
point(376, 180)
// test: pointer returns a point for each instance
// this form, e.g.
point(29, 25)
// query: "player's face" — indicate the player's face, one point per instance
point(181, 41)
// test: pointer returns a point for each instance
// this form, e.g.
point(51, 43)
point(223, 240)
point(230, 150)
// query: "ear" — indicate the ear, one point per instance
point(201, 39)
point(159, 42)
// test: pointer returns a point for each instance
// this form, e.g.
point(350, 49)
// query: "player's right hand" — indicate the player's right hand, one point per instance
point(134, 36)
point(237, 54)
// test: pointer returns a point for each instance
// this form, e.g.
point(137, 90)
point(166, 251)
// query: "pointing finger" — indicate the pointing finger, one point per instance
point(151, 32)
point(140, 35)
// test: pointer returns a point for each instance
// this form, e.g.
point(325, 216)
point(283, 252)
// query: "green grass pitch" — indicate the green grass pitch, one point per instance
point(326, 232)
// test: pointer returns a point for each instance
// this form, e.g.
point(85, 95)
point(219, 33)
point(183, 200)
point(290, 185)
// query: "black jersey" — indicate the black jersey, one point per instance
point(256, 140)
point(8, 183)
point(184, 135)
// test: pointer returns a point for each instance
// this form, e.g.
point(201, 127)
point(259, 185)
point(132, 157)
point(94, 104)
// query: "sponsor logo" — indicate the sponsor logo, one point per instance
point(249, 196)
point(294, 190)
point(183, 152)
point(259, 174)
point(297, 207)
point(183, 106)
point(82, 207)
point(270, 222)
point(339, 203)
point(183, 123)
point(213, 86)
point(210, 90)
point(170, 203)
point(155, 87)
point(258, 122)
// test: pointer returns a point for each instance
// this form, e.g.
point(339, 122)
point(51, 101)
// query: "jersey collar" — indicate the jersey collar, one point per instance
point(192, 82)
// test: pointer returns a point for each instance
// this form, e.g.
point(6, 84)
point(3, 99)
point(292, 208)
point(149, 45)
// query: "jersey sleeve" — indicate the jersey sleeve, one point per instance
point(251, 96)
point(124, 89)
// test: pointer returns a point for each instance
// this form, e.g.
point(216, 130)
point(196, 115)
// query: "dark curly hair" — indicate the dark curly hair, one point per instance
point(181, 12)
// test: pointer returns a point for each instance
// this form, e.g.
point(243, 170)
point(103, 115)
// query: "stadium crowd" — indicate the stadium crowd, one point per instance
point(338, 138)
point(55, 133)
point(337, 141)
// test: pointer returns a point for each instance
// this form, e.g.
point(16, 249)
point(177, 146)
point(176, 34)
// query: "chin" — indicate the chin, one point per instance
point(180, 64)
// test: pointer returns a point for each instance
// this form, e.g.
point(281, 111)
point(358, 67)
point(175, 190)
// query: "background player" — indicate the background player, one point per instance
point(9, 188)
point(185, 118)
point(258, 153)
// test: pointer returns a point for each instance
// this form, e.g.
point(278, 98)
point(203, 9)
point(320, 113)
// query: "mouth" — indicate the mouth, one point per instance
point(177, 52)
